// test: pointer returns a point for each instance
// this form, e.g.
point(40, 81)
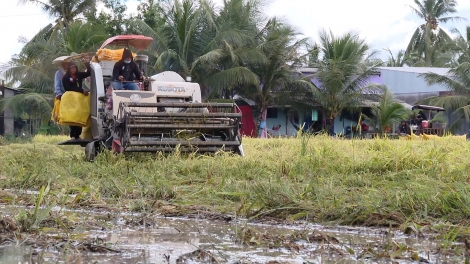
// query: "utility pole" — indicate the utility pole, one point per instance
point(2, 90)
point(2, 118)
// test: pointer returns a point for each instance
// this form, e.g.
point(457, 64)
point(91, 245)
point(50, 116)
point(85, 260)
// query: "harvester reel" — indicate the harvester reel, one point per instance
point(126, 133)
point(190, 128)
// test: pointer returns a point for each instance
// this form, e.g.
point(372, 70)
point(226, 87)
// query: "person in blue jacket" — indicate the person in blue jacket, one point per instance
point(59, 74)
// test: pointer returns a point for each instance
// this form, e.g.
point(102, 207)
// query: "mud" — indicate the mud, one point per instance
point(110, 237)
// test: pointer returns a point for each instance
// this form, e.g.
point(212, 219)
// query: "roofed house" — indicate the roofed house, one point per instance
point(7, 120)
point(287, 120)
point(409, 87)
point(406, 84)
point(281, 120)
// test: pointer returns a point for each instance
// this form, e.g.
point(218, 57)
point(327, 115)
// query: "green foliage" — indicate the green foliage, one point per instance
point(387, 111)
point(429, 39)
point(113, 22)
point(64, 11)
point(149, 12)
point(34, 70)
point(31, 221)
point(216, 49)
point(234, 49)
point(456, 80)
point(402, 59)
point(343, 73)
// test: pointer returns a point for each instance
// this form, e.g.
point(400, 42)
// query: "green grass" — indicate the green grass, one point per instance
point(323, 179)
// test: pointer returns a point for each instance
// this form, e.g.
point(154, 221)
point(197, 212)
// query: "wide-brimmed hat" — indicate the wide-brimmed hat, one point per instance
point(71, 65)
point(60, 59)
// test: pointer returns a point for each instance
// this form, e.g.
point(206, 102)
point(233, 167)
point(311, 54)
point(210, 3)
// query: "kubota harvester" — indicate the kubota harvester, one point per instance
point(167, 113)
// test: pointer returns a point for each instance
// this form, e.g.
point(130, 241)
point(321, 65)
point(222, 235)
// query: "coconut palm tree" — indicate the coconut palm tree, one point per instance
point(456, 80)
point(387, 111)
point(189, 27)
point(343, 74)
point(64, 11)
point(212, 48)
point(277, 75)
point(233, 48)
point(398, 61)
point(32, 68)
point(458, 51)
point(313, 54)
point(429, 38)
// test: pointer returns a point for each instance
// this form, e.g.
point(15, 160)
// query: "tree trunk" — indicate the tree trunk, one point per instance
point(427, 46)
point(258, 121)
point(330, 125)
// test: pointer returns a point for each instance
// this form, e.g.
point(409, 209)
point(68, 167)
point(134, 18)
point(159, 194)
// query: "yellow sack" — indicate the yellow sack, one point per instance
point(110, 55)
point(56, 110)
point(86, 131)
point(74, 109)
point(428, 137)
point(410, 137)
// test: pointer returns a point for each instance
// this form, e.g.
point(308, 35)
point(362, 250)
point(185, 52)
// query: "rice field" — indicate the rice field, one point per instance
point(320, 179)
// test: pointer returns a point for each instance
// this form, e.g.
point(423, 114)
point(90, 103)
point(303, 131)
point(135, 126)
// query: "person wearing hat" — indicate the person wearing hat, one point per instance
point(73, 82)
point(124, 71)
point(59, 74)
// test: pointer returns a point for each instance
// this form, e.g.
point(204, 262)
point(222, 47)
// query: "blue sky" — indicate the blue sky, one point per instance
point(384, 23)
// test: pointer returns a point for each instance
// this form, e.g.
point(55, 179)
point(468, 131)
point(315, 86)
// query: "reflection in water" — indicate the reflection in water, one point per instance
point(171, 238)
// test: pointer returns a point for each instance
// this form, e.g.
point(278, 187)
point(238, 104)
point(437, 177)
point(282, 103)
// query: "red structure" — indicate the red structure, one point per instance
point(248, 128)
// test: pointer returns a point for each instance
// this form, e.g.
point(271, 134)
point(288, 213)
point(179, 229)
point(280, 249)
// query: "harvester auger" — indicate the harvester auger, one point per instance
point(167, 114)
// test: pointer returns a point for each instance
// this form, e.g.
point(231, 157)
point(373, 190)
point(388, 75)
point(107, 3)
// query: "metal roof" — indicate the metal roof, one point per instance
point(13, 89)
point(419, 70)
point(370, 103)
point(248, 101)
point(429, 107)
point(307, 70)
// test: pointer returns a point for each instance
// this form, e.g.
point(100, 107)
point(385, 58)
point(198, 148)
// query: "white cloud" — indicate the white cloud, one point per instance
point(131, 6)
point(383, 23)
point(18, 20)
point(390, 23)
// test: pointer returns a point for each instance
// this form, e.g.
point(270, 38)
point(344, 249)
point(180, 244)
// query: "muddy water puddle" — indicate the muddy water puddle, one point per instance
point(132, 238)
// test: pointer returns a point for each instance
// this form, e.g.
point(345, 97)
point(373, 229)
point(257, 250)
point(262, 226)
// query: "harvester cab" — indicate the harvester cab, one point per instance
point(165, 115)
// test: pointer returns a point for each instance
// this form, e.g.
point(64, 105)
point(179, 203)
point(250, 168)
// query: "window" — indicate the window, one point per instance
point(314, 115)
point(295, 117)
point(271, 113)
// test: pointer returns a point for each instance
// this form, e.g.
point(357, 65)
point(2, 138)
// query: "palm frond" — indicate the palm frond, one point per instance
point(33, 105)
point(238, 76)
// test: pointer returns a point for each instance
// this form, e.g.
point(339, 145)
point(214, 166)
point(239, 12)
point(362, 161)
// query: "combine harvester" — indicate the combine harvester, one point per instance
point(166, 114)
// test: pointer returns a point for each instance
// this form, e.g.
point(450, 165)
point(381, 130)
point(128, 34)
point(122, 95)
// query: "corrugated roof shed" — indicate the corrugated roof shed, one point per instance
point(419, 70)
point(307, 70)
